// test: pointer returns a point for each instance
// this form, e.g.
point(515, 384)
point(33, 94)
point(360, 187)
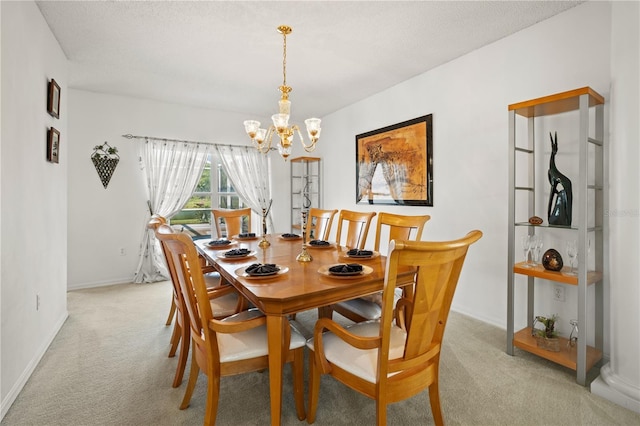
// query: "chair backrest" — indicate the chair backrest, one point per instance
point(233, 220)
point(424, 316)
point(357, 230)
point(154, 222)
point(319, 223)
point(183, 256)
point(399, 227)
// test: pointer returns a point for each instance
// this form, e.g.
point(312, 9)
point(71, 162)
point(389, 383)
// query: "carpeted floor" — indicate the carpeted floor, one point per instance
point(109, 366)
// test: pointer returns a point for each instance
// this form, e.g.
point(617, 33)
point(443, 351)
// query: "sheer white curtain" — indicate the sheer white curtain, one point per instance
point(250, 173)
point(172, 170)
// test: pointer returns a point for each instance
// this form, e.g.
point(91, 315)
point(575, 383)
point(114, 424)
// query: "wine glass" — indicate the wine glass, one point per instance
point(572, 252)
point(537, 248)
point(526, 247)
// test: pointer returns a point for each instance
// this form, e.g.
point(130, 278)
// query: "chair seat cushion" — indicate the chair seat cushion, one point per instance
point(362, 307)
point(250, 343)
point(362, 363)
point(224, 306)
point(369, 306)
point(212, 279)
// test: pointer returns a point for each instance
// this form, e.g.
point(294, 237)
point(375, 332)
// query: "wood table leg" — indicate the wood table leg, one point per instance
point(325, 312)
point(275, 338)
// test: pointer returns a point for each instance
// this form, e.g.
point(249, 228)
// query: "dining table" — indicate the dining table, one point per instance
point(298, 286)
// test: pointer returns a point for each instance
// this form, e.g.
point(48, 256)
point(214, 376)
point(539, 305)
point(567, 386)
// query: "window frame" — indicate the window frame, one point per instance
point(214, 196)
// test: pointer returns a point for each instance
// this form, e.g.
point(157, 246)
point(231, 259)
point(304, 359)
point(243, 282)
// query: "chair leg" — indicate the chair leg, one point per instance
point(172, 312)
point(314, 388)
point(213, 391)
point(184, 355)
point(193, 378)
point(298, 381)
point(242, 305)
point(381, 412)
point(434, 399)
point(175, 339)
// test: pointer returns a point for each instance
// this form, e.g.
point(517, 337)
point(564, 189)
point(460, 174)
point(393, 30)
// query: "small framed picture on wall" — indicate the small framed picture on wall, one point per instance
point(53, 145)
point(53, 102)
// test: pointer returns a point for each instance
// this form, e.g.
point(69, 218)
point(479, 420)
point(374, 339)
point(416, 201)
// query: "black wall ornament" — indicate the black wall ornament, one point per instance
point(105, 158)
point(560, 196)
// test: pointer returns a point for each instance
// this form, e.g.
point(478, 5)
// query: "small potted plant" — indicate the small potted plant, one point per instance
point(547, 337)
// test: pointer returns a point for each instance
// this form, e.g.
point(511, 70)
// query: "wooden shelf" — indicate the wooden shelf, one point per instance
point(303, 159)
point(567, 355)
point(562, 276)
point(554, 104)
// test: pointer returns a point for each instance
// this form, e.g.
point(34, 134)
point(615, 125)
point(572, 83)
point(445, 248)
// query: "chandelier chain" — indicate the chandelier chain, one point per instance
point(284, 61)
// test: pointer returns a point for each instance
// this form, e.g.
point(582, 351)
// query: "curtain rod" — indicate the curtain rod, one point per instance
point(130, 136)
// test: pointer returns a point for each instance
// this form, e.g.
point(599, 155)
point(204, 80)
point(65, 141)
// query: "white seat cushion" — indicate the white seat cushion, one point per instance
point(251, 343)
point(362, 363)
point(212, 279)
point(366, 307)
point(224, 306)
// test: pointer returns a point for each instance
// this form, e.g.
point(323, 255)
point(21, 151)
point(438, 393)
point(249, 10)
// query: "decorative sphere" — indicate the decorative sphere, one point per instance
point(551, 260)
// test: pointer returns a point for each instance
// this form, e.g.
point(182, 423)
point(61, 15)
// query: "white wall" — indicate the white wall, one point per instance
point(468, 98)
point(102, 221)
point(619, 380)
point(33, 248)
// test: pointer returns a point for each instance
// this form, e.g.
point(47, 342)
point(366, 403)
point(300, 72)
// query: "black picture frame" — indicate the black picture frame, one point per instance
point(394, 164)
point(53, 99)
point(53, 145)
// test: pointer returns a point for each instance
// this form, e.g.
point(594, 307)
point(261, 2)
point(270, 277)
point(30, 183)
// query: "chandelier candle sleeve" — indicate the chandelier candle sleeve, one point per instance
point(262, 138)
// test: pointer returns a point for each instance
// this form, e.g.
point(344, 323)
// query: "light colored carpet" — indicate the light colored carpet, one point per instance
point(109, 366)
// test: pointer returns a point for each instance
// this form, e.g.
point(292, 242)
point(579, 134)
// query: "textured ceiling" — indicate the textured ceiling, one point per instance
point(228, 55)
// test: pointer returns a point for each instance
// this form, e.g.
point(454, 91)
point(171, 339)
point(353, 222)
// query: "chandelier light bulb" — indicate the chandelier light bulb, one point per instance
point(251, 127)
point(313, 127)
point(281, 122)
point(260, 135)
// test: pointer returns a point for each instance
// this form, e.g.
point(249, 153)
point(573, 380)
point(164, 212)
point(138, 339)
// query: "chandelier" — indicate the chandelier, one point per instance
point(262, 138)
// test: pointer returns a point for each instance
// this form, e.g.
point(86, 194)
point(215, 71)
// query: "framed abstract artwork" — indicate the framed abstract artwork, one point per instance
point(394, 164)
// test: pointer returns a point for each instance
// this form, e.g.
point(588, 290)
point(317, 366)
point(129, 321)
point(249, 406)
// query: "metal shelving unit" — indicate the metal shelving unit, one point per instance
point(590, 223)
point(305, 187)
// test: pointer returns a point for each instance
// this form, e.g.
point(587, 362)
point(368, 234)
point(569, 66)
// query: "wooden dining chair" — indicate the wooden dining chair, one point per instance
point(397, 356)
point(319, 223)
point(212, 277)
point(235, 220)
point(394, 227)
point(357, 228)
point(234, 345)
point(224, 301)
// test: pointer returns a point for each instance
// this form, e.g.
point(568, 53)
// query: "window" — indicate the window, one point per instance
point(214, 190)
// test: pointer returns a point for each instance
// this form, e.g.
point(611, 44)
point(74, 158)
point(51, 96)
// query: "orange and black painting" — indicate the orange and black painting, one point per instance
point(395, 164)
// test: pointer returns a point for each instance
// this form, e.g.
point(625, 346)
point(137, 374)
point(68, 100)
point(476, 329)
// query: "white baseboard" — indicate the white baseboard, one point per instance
point(31, 366)
point(475, 316)
point(94, 284)
point(610, 387)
